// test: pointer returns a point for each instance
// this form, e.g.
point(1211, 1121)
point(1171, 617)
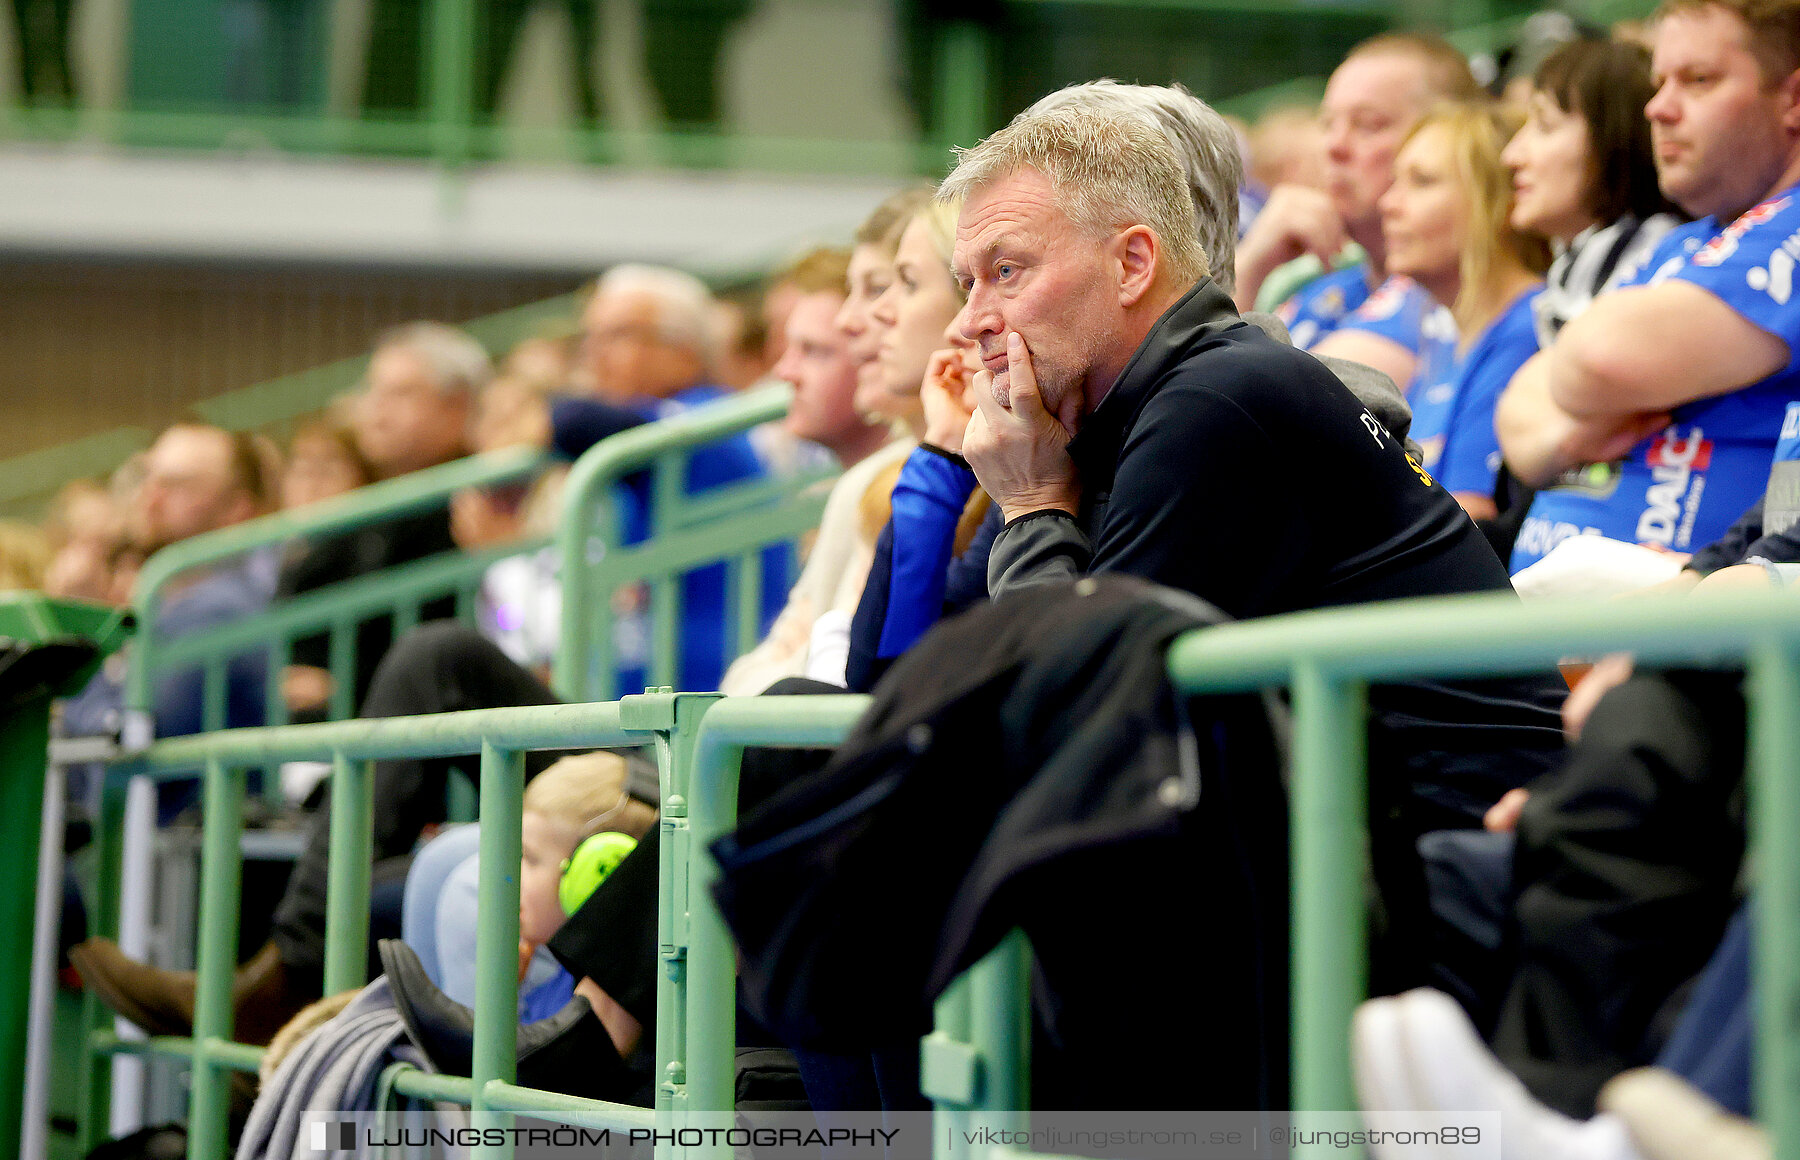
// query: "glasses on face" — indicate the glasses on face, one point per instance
point(637, 332)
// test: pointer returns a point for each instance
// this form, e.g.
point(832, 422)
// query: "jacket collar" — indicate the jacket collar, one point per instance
point(1204, 310)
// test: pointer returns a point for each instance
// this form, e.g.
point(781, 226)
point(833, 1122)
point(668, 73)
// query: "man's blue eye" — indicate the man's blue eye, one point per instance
point(1004, 270)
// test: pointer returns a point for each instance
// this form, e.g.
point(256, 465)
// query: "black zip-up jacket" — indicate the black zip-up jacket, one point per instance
point(1007, 776)
point(1228, 465)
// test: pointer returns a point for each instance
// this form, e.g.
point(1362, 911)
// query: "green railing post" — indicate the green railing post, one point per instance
point(221, 868)
point(24, 741)
point(704, 761)
point(95, 1075)
point(687, 532)
point(1001, 1027)
point(963, 96)
point(351, 866)
point(1773, 688)
point(452, 25)
point(497, 951)
point(1329, 951)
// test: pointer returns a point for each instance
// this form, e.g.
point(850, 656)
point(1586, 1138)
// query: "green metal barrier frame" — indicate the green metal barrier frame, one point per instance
point(401, 591)
point(1327, 658)
point(501, 737)
point(732, 523)
point(976, 1059)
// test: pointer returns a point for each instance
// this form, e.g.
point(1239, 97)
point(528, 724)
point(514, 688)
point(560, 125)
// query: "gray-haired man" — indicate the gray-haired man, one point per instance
point(1135, 423)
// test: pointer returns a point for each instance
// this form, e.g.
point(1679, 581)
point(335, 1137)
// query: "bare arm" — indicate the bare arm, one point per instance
point(1653, 348)
point(1296, 220)
point(1541, 440)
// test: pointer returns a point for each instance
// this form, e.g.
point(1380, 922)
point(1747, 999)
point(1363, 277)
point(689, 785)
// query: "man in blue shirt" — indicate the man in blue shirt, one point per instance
point(1653, 416)
point(648, 352)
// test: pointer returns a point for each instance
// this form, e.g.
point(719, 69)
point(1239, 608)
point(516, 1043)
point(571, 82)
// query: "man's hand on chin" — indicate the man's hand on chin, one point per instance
point(1020, 452)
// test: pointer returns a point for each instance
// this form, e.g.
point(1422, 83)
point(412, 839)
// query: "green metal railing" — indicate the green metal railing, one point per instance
point(976, 1059)
point(501, 737)
point(1329, 658)
point(397, 592)
point(732, 524)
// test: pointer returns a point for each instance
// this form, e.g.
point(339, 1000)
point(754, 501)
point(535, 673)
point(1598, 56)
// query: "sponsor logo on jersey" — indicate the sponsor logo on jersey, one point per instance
point(1387, 300)
point(1777, 278)
point(1672, 501)
point(1439, 325)
point(1726, 244)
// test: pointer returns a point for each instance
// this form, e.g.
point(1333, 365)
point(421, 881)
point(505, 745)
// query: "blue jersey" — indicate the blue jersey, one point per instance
point(1683, 487)
point(1453, 396)
point(1402, 312)
point(1322, 305)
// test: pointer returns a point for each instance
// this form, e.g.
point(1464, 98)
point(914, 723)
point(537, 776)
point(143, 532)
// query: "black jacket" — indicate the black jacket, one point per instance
point(1007, 776)
point(1230, 466)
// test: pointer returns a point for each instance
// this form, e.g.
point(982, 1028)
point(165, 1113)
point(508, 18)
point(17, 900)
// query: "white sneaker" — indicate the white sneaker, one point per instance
point(1454, 1071)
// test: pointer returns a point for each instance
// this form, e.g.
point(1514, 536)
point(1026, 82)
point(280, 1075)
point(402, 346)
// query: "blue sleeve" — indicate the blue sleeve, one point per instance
point(929, 498)
point(1396, 311)
point(864, 666)
point(965, 585)
point(1470, 461)
point(1749, 266)
point(578, 424)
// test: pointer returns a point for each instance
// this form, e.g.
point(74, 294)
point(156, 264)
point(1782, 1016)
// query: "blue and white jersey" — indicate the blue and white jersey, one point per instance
point(1402, 312)
point(1320, 306)
point(1683, 487)
point(1453, 397)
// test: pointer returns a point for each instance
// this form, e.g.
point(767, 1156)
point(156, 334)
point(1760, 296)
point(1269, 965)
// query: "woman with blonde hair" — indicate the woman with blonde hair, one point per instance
point(1447, 226)
point(936, 507)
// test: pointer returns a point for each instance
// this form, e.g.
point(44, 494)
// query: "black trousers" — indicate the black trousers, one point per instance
point(1625, 872)
point(438, 667)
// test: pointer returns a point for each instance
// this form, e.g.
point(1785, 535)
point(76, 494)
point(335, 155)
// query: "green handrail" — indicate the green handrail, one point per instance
point(1327, 657)
point(732, 524)
point(501, 736)
point(152, 658)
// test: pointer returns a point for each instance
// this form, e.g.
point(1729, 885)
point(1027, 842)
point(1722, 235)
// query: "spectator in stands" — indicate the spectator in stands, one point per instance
point(544, 360)
point(83, 527)
point(323, 461)
point(1584, 174)
point(1584, 177)
point(1127, 424)
point(648, 352)
point(871, 270)
point(817, 361)
point(1286, 148)
point(783, 452)
point(574, 799)
point(1445, 224)
point(412, 414)
point(1373, 99)
point(1652, 417)
point(1205, 143)
point(197, 479)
